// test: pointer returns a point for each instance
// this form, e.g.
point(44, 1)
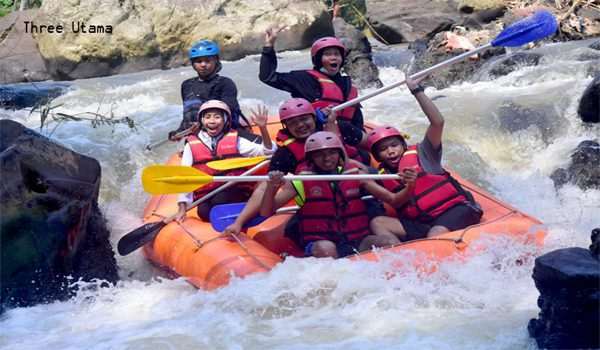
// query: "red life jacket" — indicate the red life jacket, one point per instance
point(336, 215)
point(227, 147)
point(332, 95)
point(432, 195)
point(284, 139)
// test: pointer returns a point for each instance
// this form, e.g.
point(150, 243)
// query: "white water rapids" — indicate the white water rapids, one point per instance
point(484, 303)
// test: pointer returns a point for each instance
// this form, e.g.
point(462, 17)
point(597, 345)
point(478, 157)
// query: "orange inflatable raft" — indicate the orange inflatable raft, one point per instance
point(208, 260)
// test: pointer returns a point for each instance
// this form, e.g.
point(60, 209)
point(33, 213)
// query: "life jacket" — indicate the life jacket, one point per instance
point(432, 195)
point(227, 147)
point(283, 139)
point(332, 95)
point(331, 210)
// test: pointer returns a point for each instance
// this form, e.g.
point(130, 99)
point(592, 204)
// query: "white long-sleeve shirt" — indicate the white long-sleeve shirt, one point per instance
point(246, 148)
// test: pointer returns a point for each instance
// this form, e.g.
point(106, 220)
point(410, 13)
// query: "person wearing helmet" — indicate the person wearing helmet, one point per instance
point(298, 118)
point(333, 219)
point(428, 200)
point(323, 85)
point(207, 85)
point(217, 140)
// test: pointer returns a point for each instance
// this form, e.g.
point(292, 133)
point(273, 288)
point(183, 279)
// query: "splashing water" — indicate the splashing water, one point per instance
point(483, 303)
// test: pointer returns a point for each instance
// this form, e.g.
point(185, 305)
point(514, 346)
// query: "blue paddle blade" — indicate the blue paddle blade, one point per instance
point(224, 215)
point(535, 27)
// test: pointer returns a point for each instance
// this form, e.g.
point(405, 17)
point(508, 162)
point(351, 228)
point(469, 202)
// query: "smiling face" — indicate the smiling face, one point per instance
point(205, 66)
point(301, 127)
point(389, 151)
point(213, 121)
point(326, 160)
point(331, 60)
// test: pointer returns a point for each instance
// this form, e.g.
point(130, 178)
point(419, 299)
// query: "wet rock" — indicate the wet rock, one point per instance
point(29, 95)
point(514, 117)
point(359, 59)
point(595, 45)
point(151, 34)
point(506, 65)
point(589, 105)
point(569, 284)
point(583, 169)
point(595, 246)
point(406, 21)
point(588, 56)
point(51, 228)
point(20, 60)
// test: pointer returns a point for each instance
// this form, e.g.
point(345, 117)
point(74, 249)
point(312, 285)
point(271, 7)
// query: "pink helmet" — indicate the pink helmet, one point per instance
point(383, 132)
point(215, 104)
point(328, 41)
point(323, 140)
point(295, 107)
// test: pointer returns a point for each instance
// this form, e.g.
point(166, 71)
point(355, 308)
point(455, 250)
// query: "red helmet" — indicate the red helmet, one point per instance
point(323, 140)
point(328, 41)
point(382, 132)
point(295, 107)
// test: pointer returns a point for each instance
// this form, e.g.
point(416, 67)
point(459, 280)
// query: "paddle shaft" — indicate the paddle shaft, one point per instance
point(195, 179)
point(414, 76)
point(182, 133)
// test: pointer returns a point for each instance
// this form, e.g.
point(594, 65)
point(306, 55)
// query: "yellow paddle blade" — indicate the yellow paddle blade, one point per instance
point(235, 163)
point(163, 179)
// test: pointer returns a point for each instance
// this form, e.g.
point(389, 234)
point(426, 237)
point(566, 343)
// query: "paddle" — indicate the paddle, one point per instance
point(146, 233)
point(180, 134)
point(535, 27)
point(162, 179)
point(235, 163)
point(223, 215)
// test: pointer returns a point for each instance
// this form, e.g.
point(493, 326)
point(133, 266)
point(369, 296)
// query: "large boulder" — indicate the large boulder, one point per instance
point(569, 284)
point(51, 229)
point(148, 34)
point(583, 169)
point(508, 64)
point(407, 21)
point(589, 105)
point(20, 60)
point(20, 96)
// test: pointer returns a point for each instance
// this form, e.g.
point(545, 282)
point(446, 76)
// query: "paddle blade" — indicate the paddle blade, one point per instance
point(138, 237)
point(224, 215)
point(535, 27)
point(163, 179)
point(235, 163)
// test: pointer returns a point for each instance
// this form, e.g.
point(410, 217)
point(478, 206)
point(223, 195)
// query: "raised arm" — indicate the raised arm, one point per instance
point(260, 118)
point(273, 199)
point(436, 120)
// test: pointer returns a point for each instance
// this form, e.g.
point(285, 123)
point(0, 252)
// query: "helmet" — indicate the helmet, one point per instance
point(320, 44)
point(295, 107)
point(323, 140)
point(383, 132)
point(204, 48)
point(215, 104)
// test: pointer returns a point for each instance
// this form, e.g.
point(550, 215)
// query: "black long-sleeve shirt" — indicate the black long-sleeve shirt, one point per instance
point(301, 84)
point(195, 91)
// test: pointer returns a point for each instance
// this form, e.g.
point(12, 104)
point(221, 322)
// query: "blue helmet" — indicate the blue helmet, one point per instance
point(204, 48)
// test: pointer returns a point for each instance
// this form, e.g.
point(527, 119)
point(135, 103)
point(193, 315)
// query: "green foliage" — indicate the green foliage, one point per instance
point(5, 7)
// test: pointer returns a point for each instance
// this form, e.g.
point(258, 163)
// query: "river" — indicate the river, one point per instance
point(484, 303)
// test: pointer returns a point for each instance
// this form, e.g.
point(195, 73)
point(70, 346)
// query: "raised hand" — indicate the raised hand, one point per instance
point(413, 84)
point(271, 34)
point(260, 116)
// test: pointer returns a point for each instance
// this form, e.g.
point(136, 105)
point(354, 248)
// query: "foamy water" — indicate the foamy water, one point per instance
point(484, 303)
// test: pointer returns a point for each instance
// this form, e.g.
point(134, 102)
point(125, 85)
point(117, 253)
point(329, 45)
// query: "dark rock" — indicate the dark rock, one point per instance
point(595, 246)
point(595, 45)
point(359, 59)
point(511, 63)
point(514, 117)
point(588, 56)
point(20, 59)
point(589, 105)
point(583, 170)
point(29, 95)
point(51, 226)
point(569, 284)
point(406, 21)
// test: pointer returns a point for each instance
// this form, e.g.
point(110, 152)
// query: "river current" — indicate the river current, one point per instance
point(484, 303)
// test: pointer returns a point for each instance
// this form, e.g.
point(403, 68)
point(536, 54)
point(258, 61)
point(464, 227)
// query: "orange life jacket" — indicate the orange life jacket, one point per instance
point(332, 95)
point(227, 147)
point(331, 210)
point(432, 195)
